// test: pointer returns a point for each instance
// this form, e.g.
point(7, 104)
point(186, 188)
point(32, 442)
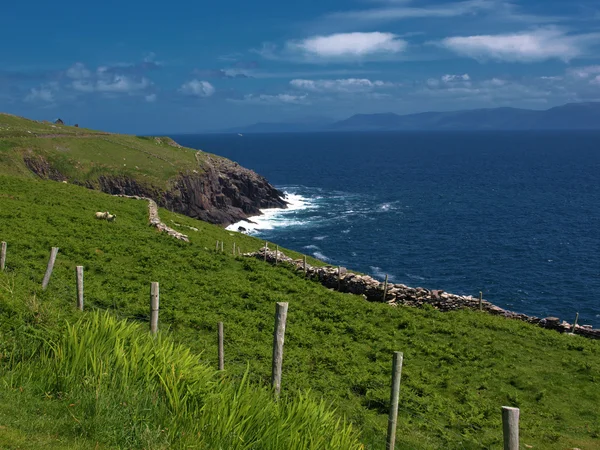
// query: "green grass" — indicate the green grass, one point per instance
point(123, 387)
point(459, 367)
point(82, 154)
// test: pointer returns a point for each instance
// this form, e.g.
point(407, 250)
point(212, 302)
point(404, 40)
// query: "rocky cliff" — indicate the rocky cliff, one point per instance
point(218, 191)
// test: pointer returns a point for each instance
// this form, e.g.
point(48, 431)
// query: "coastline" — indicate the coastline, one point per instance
point(267, 219)
point(401, 295)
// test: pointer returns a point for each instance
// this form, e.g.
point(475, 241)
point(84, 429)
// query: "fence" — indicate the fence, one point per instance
point(510, 416)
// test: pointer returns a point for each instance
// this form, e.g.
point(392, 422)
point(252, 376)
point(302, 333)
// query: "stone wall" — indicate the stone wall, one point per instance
point(154, 219)
point(401, 295)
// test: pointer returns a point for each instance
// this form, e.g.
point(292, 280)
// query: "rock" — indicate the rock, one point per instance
point(222, 193)
point(242, 229)
point(436, 293)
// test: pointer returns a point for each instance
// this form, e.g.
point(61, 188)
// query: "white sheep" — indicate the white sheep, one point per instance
point(106, 216)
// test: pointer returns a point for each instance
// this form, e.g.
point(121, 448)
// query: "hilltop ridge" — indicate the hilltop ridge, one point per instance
point(197, 184)
point(571, 116)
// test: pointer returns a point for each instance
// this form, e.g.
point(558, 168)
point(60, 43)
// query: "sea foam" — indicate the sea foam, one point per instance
point(271, 218)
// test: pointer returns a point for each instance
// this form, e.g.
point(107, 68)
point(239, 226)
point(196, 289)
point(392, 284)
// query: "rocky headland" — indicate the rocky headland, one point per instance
point(218, 191)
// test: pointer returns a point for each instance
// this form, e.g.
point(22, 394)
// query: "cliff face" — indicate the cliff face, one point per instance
point(220, 192)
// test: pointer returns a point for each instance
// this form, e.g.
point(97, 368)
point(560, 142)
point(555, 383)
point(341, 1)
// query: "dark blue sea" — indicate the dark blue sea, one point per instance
point(513, 214)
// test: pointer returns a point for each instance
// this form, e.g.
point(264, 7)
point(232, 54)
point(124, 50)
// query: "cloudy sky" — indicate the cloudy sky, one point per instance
point(146, 67)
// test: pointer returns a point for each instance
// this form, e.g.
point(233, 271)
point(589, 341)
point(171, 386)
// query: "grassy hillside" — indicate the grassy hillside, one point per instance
point(460, 367)
point(82, 154)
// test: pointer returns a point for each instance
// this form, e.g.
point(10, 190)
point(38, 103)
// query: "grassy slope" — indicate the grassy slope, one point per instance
point(459, 367)
point(81, 154)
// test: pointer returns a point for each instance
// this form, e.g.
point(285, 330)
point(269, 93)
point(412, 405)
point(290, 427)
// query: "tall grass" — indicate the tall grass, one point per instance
point(459, 367)
point(128, 389)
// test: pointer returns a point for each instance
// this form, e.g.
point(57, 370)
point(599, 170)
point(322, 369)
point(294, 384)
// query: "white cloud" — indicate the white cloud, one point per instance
point(439, 13)
point(197, 88)
point(117, 84)
point(528, 46)
point(105, 81)
point(340, 85)
point(78, 71)
point(595, 80)
point(347, 45)
point(121, 84)
point(584, 72)
point(494, 91)
point(44, 94)
point(150, 98)
point(450, 78)
point(497, 82)
point(399, 12)
point(83, 86)
point(268, 99)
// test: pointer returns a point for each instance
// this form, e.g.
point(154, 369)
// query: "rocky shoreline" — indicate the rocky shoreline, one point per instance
point(216, 190)
point(400, 295)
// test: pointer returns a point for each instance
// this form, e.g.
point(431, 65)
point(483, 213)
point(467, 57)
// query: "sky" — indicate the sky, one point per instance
point(179, 66)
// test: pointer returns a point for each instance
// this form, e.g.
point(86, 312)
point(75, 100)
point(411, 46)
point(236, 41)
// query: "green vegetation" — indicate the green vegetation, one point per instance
point(82, 154)
point(125, 388)
point(98, 380)
point(459, 367)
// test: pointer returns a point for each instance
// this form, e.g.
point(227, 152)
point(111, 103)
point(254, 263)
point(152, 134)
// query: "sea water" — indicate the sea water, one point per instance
point(513, 214)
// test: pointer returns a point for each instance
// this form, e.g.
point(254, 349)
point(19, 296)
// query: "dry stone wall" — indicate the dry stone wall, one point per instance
point(401, 295)
point(154, 219)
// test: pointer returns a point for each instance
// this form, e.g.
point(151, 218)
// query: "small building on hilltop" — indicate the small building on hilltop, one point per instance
point(59, 121)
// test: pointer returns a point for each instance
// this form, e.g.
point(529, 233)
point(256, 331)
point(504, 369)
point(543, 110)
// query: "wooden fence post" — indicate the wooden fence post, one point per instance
point(510, 427)
point(234, 249)
point(575, 323)
point(278, 337)
point(50, 267)
point(222, 247)
point(221, 350)
point(79, 275)
point(266, 251)
point(385, 287)
point(339, 280)
point(3, 256)
point(304, 265)
point(480, 301)
point(217, 247)
point(276, 254)
point(394, 398)
point(154, 306)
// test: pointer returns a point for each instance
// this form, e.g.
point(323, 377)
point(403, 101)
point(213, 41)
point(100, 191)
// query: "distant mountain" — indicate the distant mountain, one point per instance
point(304, 124)
point(274, 127)
point(572, 116)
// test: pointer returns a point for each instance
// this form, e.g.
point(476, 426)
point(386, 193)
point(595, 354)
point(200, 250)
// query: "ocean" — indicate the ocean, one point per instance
point(515, 215)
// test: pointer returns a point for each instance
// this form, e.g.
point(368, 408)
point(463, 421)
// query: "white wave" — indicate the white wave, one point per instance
point(276, 217)
point(391, 206)
point(346, 231)
point(311, 247)
point(379, 273)
point(321, 256)
point(415, 277)
point(320, 238)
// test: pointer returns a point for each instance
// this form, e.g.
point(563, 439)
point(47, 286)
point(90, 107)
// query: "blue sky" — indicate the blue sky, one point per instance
point(141, 67)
